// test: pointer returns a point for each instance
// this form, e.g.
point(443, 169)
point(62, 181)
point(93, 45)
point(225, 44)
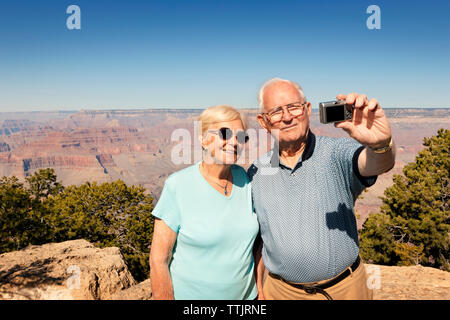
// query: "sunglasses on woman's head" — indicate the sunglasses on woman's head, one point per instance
point(227, 134)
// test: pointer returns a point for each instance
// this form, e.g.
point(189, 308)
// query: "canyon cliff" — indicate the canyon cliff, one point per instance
point(137, 146)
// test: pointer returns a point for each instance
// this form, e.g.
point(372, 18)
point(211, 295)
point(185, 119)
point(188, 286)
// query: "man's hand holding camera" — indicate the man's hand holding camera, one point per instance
point(370, 127)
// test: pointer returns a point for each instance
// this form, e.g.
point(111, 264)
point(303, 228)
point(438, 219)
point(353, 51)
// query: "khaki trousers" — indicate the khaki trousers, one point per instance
point(354, 287)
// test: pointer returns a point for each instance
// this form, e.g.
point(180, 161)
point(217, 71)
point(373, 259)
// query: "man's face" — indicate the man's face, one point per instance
point(289, 128)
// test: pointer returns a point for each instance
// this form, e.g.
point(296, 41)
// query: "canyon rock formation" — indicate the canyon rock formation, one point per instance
point(74, 270)
point(70, 270)
point(138, 146)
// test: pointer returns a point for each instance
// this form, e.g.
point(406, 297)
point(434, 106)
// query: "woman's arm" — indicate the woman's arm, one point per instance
point(259, 266)
point(161, 252)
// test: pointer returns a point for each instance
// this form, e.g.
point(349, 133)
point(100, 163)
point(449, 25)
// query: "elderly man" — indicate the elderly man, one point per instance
point(304, 191)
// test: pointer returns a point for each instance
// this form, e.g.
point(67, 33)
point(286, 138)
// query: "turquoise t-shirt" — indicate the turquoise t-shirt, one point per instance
point(212, 256)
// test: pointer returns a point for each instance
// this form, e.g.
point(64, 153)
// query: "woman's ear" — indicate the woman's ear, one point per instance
point(204, 141)
point(200, 138)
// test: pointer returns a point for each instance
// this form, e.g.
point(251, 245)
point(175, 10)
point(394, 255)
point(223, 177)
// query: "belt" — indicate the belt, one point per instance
point(320, 288)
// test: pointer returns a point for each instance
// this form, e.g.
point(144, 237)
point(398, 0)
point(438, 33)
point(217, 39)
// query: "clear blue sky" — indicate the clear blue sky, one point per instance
point(194, 54)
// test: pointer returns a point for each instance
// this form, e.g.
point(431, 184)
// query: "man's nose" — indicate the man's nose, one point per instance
point(287, 116)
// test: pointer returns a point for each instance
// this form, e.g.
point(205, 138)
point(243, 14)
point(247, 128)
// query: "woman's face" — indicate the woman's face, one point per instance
point(224, 141)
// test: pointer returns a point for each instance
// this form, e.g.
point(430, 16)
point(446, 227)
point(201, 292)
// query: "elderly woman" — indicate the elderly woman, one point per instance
point(205, 226)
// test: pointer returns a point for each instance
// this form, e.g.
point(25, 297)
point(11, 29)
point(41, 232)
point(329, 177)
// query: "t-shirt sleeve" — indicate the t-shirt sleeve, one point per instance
point(167, 208)
point(347, 152)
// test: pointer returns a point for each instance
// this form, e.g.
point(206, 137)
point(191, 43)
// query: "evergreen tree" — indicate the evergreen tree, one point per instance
point(414, 224)
point(19, 225)
point(109, 214)
point(44, 183)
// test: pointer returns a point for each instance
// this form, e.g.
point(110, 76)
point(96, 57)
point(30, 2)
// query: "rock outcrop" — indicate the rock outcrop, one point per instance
point(72, 270)
point(141, 291)
point(75, 270)
point(409, 283)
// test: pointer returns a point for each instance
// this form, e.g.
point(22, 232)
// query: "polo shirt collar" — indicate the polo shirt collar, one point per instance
point(275, 160)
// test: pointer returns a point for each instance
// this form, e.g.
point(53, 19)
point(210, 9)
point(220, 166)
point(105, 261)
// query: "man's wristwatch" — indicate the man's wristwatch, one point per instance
point(383, 149)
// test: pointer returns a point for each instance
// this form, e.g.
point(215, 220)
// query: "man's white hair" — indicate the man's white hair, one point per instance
point(272, 81)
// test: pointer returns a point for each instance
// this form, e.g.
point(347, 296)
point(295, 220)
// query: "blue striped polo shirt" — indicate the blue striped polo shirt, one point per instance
point(306, 215)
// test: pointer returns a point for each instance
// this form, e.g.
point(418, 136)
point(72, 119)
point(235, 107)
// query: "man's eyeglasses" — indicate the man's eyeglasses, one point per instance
point(227, 134)
point(296, 109)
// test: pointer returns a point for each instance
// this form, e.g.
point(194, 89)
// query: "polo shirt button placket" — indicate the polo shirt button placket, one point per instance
point(294, 172)
point(293, 179)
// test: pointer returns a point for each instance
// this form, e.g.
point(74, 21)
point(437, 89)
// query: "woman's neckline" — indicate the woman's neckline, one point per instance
point(209, 184)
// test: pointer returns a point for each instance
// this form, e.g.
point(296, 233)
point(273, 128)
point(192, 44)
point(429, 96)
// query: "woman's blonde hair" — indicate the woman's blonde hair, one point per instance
point(220, 113)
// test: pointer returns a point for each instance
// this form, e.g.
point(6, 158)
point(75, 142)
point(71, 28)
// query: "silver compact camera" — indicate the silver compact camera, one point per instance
point(335, 111)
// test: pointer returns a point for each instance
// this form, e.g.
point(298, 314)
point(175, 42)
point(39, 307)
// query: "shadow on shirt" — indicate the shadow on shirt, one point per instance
point(344, 220)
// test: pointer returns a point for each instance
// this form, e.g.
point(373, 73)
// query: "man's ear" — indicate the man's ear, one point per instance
point(308, 106)
point(262, 122)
